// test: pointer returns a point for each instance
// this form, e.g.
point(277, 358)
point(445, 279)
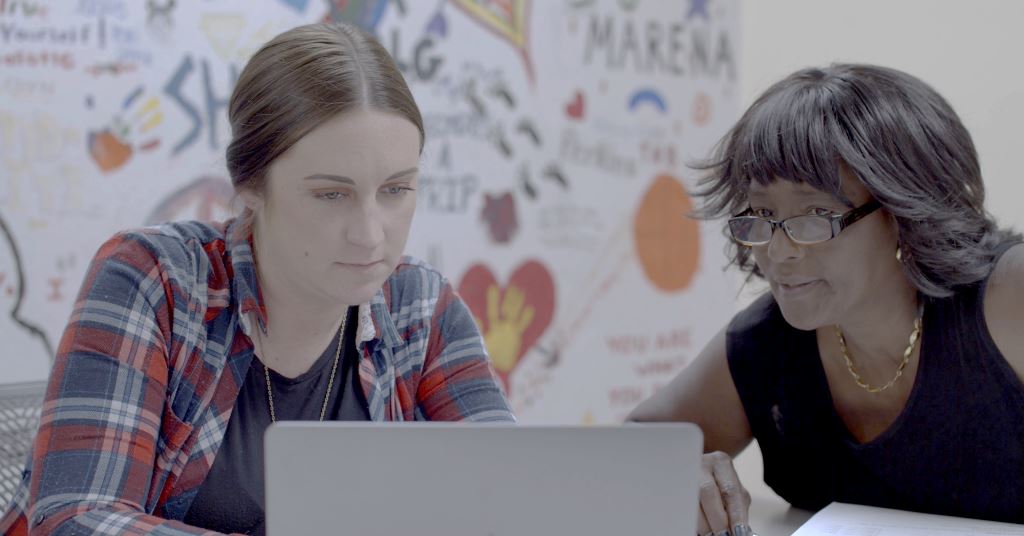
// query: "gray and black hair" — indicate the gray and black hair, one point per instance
point(894, 133)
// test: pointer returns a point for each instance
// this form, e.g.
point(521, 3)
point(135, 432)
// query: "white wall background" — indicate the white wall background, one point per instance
point(970, 52)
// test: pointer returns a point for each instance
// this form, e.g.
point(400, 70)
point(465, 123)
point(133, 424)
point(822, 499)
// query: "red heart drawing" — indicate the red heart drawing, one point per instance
point(575, 108)
point(531, 279)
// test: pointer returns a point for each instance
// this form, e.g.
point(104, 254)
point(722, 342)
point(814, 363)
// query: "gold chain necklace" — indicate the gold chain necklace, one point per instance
point(330, 382)
point(899, 371)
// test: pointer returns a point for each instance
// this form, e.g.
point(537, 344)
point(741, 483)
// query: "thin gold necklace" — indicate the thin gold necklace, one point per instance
point(330, 382)
point(914, 335)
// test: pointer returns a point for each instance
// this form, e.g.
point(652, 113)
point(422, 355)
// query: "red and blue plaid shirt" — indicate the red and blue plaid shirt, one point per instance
point(155, 353)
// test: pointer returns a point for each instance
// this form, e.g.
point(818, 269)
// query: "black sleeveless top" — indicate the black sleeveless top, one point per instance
point(956, 449)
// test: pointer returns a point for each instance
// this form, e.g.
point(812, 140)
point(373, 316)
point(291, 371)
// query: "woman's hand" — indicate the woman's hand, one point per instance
point(724, 502)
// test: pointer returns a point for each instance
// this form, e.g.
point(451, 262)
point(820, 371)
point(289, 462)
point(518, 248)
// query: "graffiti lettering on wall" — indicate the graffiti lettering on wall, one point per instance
point(571, 226)
point(465, 125)
point(38, 58)
point(68, 35)
point(23, 8)
point(676, 48)
point(447, 193)
point(20, 88)
point(600, 154)
point(213, 102)
point(115, 9)
point(416, 59)
point(628, 131)
point(419, 63)
point(651, 356)
point(39, 139)
point(642, 345)
point(32, 150)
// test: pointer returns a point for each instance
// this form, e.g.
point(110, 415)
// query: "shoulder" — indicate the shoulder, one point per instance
point(166, 254)
point(415, 282)
point(173, 243)
point(1004, 306)
point(757, 342)
point(761, 318)
point(413, 272)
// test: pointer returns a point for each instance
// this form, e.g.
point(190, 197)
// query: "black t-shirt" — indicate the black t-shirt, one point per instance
point(231, 497)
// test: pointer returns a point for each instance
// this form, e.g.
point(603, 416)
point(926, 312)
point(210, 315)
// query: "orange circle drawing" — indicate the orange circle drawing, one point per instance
point(667, 241)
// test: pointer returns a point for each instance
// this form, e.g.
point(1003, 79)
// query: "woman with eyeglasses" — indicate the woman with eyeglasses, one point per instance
point(886, 365)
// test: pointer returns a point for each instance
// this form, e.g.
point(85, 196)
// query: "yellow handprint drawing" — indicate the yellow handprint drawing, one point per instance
point(512, 317)
point(508, 317)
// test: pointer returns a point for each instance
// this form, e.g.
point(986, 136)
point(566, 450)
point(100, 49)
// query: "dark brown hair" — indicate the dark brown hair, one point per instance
point(300, 79)
point(896, 134)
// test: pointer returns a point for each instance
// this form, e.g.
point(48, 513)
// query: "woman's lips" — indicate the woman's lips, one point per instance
point(797, 288)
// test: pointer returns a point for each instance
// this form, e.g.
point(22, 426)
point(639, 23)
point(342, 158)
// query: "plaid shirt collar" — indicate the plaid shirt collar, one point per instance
point(375, 322)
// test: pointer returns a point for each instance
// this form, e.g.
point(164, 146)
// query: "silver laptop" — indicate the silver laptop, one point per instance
point(481, 480)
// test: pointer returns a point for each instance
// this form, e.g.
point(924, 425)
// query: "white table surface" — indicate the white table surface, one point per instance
point(772, 516)
point(769, 514)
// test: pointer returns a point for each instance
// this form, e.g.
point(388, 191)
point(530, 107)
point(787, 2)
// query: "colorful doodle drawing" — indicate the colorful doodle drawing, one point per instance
point(525, 128)
point(647, 96)
point(160, 17)
point(626, 5)
point(576, 108)
point(113, 68)
point(508, 19)
point(111, 147)
point(363, 13)
point(698, 8)
point(667, 240)
point(512, 318)
point(298, 5)
point(702, 109)
point(207, 198)
point(29, 360)
point(499, 213)
point(222, 31)
point(438, 25)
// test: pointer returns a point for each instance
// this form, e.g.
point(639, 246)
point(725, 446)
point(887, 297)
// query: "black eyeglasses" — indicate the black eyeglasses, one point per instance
point(805, 229)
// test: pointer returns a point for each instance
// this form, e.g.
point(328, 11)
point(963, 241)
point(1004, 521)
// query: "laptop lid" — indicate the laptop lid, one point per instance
point(481, 479)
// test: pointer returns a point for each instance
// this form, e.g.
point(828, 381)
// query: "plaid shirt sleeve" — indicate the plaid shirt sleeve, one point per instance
point(108, 437)
point(458, 382)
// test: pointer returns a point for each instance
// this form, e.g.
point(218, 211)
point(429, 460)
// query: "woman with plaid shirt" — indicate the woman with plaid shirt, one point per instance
point(188, 339)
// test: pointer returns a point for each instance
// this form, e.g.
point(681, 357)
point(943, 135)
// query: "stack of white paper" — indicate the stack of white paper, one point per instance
point(839, 519)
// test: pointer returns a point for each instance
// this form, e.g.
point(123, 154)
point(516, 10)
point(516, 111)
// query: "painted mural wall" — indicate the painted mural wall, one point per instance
point(554, 181)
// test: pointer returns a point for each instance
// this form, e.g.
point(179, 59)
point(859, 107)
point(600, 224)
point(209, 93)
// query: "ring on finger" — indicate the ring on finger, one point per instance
point(742, 529)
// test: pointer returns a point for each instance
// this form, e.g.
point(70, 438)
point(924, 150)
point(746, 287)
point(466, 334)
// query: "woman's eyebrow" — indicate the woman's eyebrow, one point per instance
point(347, 180)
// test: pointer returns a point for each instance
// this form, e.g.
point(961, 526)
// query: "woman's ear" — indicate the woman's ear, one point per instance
point(253, 200)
